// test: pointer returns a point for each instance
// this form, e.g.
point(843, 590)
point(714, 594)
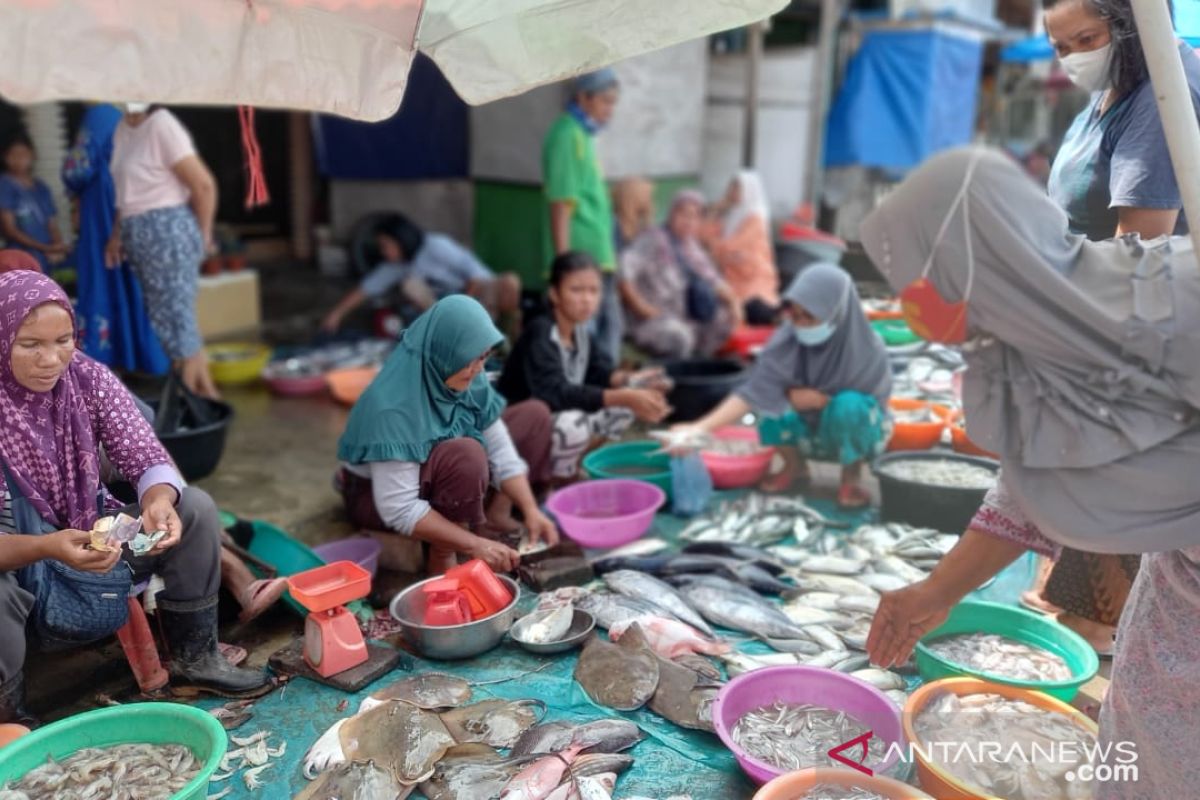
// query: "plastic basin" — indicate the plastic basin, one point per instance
point(606, 513)
point(362, 550)
point(197, 451)
point(330, 586)
point(943, 508)
point(914, 435)
point(958, 433)
point(631, 460)
point(797, 684)
point(237, 363)
point(737, 472)
point(895, 331)
point(746, 339)
point(286, 554)
point(942, 784)
point(347, 385)
point(794, 785)
point(291, 385)
point(700, 384)
point(976, 616)
point(155, 723)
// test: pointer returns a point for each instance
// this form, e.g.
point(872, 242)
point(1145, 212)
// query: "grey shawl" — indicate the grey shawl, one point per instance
point(1084, 358)
point(574, 361)
point(854, 358)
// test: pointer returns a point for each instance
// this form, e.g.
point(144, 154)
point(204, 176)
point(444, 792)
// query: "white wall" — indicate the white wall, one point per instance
point(444, 206)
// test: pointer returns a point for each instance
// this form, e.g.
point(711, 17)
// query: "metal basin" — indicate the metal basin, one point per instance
point(451, 642)
point(582, 625)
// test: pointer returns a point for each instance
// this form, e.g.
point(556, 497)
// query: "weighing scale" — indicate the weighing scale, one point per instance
point(333, 641)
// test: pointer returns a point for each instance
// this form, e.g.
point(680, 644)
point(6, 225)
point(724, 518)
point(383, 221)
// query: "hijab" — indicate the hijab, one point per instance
point(12, 259)
point(408, 408)
point(47, 441)
point(1083, 358)
point(752, 202)
point(853, 358)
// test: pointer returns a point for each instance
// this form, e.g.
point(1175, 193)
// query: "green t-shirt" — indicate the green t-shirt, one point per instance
point(571, 172)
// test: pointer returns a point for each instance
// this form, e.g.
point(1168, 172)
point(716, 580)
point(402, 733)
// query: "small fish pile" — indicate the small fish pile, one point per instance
point(792, 736)
point(999, 655)
point(757, 519)
point(941, 472)
point(915, 416)
point(830, 791)
point(149, 771)
point(973, 723)
point(733, 447)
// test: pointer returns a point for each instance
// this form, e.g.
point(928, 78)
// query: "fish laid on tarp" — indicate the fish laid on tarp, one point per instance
point(999, 655)
point(740, 663)
point(793, 736)
point(431, 690)
point(740, 613)
point(670, 638)
point(397, 736)
point(538, 780)
point(602, 736)
point(801, 646)
point(356, 781)
point(742, 552)
point(497, 723)
point(608, 608)
point(471, 772)
point(601, 763)
point(699, 665)
point(679, 699)
point(646, 587)
point(623, 675)
point(642, 547)
point(152, 771)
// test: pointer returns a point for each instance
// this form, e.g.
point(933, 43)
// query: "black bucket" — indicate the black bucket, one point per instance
point(943, 508)
point(197, 450)
point(702, 383)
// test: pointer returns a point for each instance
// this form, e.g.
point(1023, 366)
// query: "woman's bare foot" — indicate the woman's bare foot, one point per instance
point(499, 514)
point(258, 596)
point(1034, 601)
point(795, 474)
point(1097, 634)
point(851, 494)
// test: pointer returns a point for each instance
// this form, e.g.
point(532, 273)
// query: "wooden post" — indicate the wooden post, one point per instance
point(300, 162)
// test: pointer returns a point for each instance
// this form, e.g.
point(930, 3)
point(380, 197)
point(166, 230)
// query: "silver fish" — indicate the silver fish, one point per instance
point(740, 612)
point(882, 679)
point(610, 609)
point(823, 636)
point(833, 565)
point(897, 566)
point(942, 472)
point(806, 647)
point(740, 663)
point(830, 791)
point(796, 736)
point(999, 655)
point(864, 604)
point(824, 601)
point(641, 586)
point(837, 584)
point(807, 615)
point(641, 547)
point(883, 582)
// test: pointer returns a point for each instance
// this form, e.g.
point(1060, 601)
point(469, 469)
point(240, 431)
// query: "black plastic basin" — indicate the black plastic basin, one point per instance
point(702, 383)
point(197, 450)
point(943, 508)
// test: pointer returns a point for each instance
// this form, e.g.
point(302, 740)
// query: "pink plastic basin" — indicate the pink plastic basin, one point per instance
point(797, 684)
point(362, 550)
point(606, 513)
point(737, 472)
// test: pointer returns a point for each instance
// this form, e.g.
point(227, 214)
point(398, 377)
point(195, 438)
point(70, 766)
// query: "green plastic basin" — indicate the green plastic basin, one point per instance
point(155, 723)
point(973, 616)
point(895, 332)
point(631, 460)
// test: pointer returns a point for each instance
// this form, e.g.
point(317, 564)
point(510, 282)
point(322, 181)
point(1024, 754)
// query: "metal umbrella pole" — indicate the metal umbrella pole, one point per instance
point(1157, 34)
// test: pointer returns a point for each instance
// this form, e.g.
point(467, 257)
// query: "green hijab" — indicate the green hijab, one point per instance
point(408, 409)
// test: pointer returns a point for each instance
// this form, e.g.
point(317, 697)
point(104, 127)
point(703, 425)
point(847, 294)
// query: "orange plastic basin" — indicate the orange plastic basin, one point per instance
point(914, 435)
point(795, 785)
point(347, 385)
point(330, 586)
point(958, 433)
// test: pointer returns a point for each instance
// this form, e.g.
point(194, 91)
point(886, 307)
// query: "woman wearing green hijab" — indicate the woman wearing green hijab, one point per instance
point(430, 436)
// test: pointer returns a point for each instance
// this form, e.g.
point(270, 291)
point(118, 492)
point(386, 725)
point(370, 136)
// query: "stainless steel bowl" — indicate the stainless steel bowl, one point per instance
point(582, 625)
point(450, 642)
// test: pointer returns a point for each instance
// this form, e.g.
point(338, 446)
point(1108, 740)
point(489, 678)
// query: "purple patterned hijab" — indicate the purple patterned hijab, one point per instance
point(46, 439)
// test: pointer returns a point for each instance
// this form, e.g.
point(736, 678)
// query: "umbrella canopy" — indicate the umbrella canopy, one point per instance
point(346, 57)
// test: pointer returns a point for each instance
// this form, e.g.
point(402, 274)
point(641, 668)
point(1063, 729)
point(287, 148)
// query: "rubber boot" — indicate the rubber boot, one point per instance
point(195, 661)
point(12, 702)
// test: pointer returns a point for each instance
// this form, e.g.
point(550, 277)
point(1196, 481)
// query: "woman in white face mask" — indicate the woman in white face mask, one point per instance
point(1112, 174)
point(820, 387)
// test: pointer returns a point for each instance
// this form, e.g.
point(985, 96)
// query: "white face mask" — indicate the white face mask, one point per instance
point(137, 108)
point(1089, 71)
point(814, 335)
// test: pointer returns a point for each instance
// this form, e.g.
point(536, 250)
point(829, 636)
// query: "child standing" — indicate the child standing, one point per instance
point(27, 213)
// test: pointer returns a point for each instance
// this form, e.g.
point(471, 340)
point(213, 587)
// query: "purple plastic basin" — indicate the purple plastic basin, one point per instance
point(362, 550)
point(606, 513)
point(797, 684)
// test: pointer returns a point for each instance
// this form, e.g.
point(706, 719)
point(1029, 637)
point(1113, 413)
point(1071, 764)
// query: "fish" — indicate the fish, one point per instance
point(805, 647)
point(853, 662)
point(622, 676)
point(807, 615)
point(699, 665)
point(986, 717)
point(999, 655)
point(470, 772)
point(607, 736)
point(608, 608)
point(354, 781)
point(826, 582)
point(642, 547)
point(832, 565)
point(496, 723)
point(650, 589)
point(718, 583)
point(742, 552)
point(838, 791)
point(650, 565)
point(153, 771)
point(740, 613)
point(941, 472)
point(541, 627)
point(429, 690)
point(824, 601)
point(882, 582)
point(794, 736)
point(601, 763)
point(670, 638)
point(397, 736)
point(539, 779)
point(882, 679)
point(760, 579)
point(740, 663)
point(677, 699)
point(823, 636)
point(863, 604)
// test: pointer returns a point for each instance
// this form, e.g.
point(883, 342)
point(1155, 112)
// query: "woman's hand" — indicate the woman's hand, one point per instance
point(71, 547)
point(654, 378)
point(114, 254)
point(541, 528)
point(903, 617)
point(497, 556)
point(158, 514)
point(807, 399)
point(331, 322)
point(646, 405)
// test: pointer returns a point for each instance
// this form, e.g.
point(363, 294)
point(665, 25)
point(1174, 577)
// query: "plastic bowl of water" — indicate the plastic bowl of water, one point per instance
point(606, 514)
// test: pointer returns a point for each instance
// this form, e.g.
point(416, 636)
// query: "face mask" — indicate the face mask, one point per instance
point(927, 313)
point(137, 108)
point(1089, 71)
point(814, 334)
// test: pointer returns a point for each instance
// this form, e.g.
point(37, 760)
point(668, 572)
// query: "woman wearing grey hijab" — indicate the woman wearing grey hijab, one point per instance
point(1084, 375)
point(820, 386)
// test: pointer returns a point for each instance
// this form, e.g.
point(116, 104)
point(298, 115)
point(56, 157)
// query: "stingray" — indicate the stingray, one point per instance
point(471, 772)
point(355, 781)
point(601, 736)
point(700, 665)
point(679, 698)
point(430, 691)
point(621, 676)
point(397, 736)
point(498, 723)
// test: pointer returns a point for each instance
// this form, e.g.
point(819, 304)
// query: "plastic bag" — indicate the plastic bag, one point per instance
point(691, 485)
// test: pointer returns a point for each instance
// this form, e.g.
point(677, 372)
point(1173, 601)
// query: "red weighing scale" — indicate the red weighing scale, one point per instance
point(333, 642)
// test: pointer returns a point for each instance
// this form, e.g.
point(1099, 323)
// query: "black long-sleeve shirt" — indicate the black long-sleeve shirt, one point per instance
point(535, 369)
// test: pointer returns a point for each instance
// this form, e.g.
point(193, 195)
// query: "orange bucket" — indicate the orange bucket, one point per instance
point(794, 785)
point(937, 781)
point(10, 732)
point(914, 435)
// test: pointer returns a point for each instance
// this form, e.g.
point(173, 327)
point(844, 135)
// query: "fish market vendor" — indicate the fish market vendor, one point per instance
point(59, 408)
point(820, 386)
point(555, 361)
point(430, 451)
point(1083, 375)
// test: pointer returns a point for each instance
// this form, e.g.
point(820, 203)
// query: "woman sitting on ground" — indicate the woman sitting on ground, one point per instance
point(739, 239)
point(426, 267)
point(430, 436)
point(60, 408)
point(676, 304)
point(820, 386)
point(554, 361)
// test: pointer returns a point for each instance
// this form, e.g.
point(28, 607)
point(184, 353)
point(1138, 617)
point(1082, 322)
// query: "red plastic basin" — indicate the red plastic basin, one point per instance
point(330, 586)
point(737, 472)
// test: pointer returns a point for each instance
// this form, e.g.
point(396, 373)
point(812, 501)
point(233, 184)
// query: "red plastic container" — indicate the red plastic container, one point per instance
point(330, 586)
point(484, 591)
point(746, 339)
point(737, 472)
point(447, 608)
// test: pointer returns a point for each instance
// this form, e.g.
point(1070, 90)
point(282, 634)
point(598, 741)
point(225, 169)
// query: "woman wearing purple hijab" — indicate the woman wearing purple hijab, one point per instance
point(59, 409)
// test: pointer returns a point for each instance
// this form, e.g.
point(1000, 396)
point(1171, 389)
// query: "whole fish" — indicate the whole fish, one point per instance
point(602, 736)
point(882, 582)
point(823, 601)
point(882, 679)
point(718, 582)
point(999, 655)
point(832, 565)
point(540, 778)
point(649, 564)
point(759, 579)
point(825, 582)
point(743, 552)
point(642, 547)
point(608, 609)
point(646, 587)
point(793, 736)
point(823, 636)
point(740, 663)
point(740, 613)
point(670, 638)
point(901, 568)
point(806, 615)
point(806, 647)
